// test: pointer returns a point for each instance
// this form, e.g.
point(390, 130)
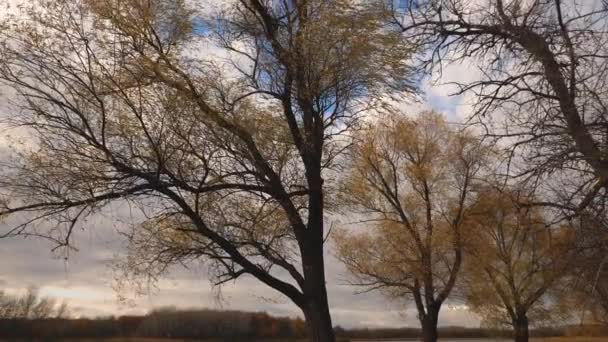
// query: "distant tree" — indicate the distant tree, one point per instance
point(588, 279)
point(232, 160)
point(413, 180)
point(31, 306)
point(514, 261)
point(542, 89)
point(62, 311)
point(7, 305)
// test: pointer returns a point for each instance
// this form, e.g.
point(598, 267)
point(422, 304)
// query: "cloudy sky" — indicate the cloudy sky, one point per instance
point(85, 279)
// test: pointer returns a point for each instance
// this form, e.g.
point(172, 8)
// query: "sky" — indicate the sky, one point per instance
point(86, 279)
point(85, 282)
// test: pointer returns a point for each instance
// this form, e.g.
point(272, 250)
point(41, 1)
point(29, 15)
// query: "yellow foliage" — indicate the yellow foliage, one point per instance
point(414, 179)
point(514, 258)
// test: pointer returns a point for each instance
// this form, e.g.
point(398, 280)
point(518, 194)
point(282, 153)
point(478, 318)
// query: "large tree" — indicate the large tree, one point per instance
point(514, 262)
point(412, 182)
point(543, 68)
point(231, 158)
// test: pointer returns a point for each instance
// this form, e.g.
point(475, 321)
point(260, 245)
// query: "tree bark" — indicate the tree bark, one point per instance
point(318, 320)
point(520, 324)
point(316, 308)
point(429, 325)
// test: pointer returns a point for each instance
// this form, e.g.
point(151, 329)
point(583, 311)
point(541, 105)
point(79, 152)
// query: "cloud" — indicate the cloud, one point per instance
point(441, 91)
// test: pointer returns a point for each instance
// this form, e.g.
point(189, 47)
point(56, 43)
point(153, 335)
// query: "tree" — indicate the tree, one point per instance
point(414, 180)
point(542, 90)
point(232, 161)
point(514, 261)
point(31, 306)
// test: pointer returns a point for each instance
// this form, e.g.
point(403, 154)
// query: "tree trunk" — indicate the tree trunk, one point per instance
point(316, 309)
point(316, 306)
point(429, 325)
point(318, 321)
point(520, 324)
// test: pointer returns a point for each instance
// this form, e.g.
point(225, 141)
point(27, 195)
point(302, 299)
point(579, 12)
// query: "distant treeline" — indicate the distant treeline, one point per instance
point(229, 325)
point(186, 324)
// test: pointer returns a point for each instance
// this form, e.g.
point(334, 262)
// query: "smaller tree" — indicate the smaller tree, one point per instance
point(514, 260)
point(414, 180)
